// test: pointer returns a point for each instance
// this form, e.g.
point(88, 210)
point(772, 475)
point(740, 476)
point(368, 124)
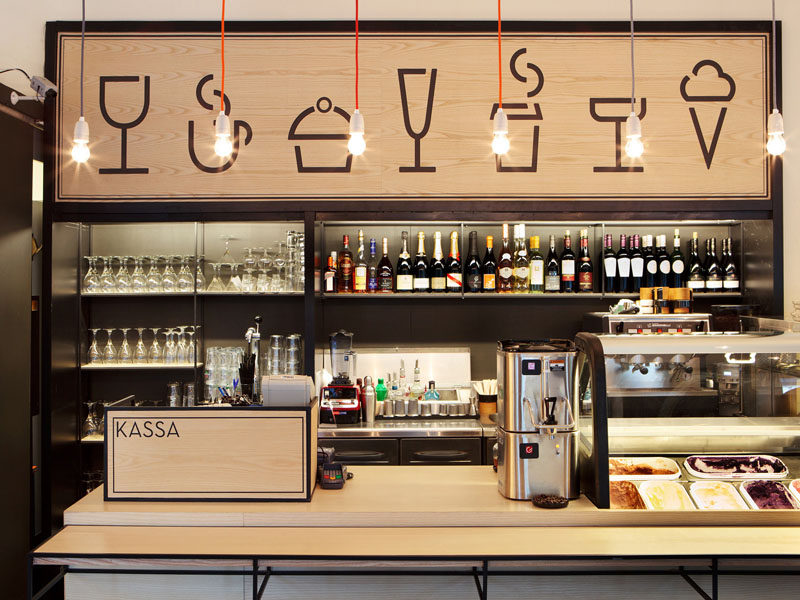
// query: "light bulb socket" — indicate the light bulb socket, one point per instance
point(223, 125)
point(500, 122)
point(357, 123)
point(81, 133)
point(775, 123)
point(633, 126)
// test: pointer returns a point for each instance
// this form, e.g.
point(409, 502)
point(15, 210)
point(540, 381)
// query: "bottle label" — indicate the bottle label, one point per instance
point(489, 282)
point(552, 283)
point(537, 273)
point(346, 270)
point(664, 267)
point(713, 284)
point(568, 270)
point(421, 283)
point(678, 266)
point(330, 279)
point(624, 266)
point(372, 284)
point(385, 284)
point(360, 280)
point(637, 267)
point(474, 283)
point(696, 285)
point(506, 272)
point(611, 266)
point(438, 283)
point(652, 267)
point(405, 283)
point(521, 272)
point(731, 284)
point(454, 281)
point(585, 281)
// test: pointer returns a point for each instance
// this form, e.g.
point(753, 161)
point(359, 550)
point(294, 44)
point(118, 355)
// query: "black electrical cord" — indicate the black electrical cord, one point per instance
point(16, 69)
point(83, 37)
point(774, 62)
point(633, 73)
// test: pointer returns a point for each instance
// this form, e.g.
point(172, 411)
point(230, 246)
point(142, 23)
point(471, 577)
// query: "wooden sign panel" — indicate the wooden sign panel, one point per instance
point(428, 101)
point(211, 453)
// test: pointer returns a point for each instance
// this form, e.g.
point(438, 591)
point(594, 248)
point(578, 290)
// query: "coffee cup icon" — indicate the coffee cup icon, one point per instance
point(317, 124)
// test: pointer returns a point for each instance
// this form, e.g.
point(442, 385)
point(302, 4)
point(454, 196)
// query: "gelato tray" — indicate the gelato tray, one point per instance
point(665, 495)
point(624, 495)
point(731, 466)
point(642, 468)
point(794, 488)
point(764, 494)
point(716, 495)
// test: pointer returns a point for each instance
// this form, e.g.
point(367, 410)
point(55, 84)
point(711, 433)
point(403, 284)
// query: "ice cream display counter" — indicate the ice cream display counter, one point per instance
point(704, 421)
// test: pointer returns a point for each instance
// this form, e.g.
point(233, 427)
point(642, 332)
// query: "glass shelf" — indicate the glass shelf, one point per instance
point(137, 367)
point(135, 294)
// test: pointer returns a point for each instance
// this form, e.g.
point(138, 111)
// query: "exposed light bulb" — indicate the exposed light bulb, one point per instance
point(223, 146)
point(634, 147)
point(356, 144)
point(80, 141)
point(776, 145)
point(500, 143)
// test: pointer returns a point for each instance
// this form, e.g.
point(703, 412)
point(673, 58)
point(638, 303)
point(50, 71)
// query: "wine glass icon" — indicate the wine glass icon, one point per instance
point(416, 136)
point(123, 127)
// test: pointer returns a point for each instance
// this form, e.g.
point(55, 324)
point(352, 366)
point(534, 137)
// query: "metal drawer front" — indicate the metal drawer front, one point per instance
point(364, 452)
point(443, 451)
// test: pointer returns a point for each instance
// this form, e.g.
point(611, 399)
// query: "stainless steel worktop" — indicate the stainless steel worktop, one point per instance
point(397, 429)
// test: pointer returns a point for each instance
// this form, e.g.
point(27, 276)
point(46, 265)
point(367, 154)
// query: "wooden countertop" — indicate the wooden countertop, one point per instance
point(403, 496)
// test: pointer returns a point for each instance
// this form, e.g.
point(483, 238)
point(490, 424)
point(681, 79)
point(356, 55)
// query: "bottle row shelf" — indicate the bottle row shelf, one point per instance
point(188, 294)
point(504, 296)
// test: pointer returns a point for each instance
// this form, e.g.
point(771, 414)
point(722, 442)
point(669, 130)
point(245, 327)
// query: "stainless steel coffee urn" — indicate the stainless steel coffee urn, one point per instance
point(537, 436)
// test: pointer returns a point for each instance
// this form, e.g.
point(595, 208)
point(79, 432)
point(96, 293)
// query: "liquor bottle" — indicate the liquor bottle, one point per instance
point(404, 278)
point(552, 269)
point(421, 281)
point(536, 266)
point(664, 268)
point(696, 279)
point(372, 267)
point(437, 272)
point(360, 267)
point(385, 271)
point(455, 276)
point(345, 269)
point(650, 263)
point(417, 389)
point(637, 265)
point(489, 267)
point(714, 274)
point(610, 264)
point(585, 268)
point(505, 265)
point(567, 265)
point(623, 265)
point(730, 271)
point(522, 272)
point(329, 277)
point(472, 267)
point(677, 263)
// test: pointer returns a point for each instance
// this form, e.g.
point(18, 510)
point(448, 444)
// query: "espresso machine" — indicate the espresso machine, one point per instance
point(537, 434)
point(341, 400)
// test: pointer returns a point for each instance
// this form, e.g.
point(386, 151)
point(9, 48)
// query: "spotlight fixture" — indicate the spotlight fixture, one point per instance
point(223, 146)
point(80, 137)
point(776, 145)
point(500, 144)
point(633, 125)
point(356, 144)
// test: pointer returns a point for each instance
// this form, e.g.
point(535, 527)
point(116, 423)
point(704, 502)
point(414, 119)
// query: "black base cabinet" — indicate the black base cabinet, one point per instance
point(440, 451)
point(364, 452)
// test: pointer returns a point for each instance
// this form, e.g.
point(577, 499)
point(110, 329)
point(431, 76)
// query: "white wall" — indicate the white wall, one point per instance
point(22, 43)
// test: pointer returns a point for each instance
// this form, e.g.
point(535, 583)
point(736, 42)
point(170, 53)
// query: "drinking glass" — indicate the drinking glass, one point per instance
point(181, 351)
point(125, 354)
point(169, 279)
point(190, 349)
point(156, 354)
point(94, 356)
point(91, 281)
point(216, 284)
point(108, 283)
point(139, 279)
point(170, 348)
point(249, 259)
point(140, 352)
point(248, 281)
point(185, 281)
point(109, 352)
point(124, 279)
point(280, 267)
point(199, 278)
point(235, 282)
point(153, 276)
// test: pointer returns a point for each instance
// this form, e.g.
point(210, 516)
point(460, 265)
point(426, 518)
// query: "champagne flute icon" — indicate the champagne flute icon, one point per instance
point(416, 136)
point(123, 127)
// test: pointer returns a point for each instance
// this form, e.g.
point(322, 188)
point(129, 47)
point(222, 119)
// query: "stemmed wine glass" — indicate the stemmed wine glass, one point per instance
point(170, 348)
point(190, 350)
point(156, 353)
point(169, 280)
point(108, 283)
point(140, 352)
point(234, 283)
point(199, 278)
point(125, 355)
point(280, 265)
point(124, 279)
point(91, 281)
point(264, 263)
point(154, 277)
point(94, 355)
point(181, 351)
point(139, 279)
point(109, 352)
point(185, 281)
point(216, 284)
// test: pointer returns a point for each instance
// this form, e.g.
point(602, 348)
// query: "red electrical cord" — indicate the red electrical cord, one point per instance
point(356, 54)
point(499, 59)
point(222, 51)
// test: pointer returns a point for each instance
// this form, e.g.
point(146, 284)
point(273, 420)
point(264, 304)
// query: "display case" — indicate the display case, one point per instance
point(699, 410)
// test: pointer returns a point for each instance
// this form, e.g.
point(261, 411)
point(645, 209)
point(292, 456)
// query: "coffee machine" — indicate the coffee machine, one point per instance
point(537, 434)
point(341, 400)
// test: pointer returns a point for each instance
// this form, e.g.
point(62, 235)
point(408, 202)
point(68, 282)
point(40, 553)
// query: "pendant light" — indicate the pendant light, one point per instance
point(633, 126)
point(500, 143)
point(776, 145)
point(356, 144)
point(223, 146)
point(80, 137)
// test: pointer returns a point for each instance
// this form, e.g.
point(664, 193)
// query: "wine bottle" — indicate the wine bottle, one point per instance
point(536, 266)
point(455, 276)
point(385, 271)
point(623, 265)
point(663, 262)
point(421, 280)
point(505, 265)
point(677, 263)
point(637, 264)
point(714, 275)
point(345, 266)
point(696, 279)
point(329, 278)
point(650, 263)
point(360, 267)
point(472, 266)
point(552, 269)
point(730, 272)
point(585, 268)
point(404, 277)
point(489, 267)
point(567, 265)
point(372, 268)
point(438, 275)
point(610, 263)
point(522, 273)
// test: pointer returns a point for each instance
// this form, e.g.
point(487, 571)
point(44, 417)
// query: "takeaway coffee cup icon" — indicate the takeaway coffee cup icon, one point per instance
point(310, 126)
